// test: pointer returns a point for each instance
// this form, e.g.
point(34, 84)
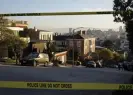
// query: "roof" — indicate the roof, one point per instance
point(43, 30)
point(65, 37)
point(78, 36)
point(61, 37)
point(15, 28)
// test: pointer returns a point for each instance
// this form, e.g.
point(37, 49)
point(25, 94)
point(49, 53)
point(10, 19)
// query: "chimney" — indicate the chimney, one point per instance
point(81, 32)
point(70, 30)
point(35, 28)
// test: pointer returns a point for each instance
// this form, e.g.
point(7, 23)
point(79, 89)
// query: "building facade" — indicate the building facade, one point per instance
point(60, 42)
point(82, 43)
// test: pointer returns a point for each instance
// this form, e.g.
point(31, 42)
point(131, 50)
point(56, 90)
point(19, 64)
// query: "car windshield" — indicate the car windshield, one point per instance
point(90, 62)
point(33, 55)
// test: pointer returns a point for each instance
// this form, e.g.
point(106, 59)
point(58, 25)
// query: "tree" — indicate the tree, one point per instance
point(106, 54)
point(50, 50)
point(123, 12)
point(5, 34)
point(8, 39)
point(17, 45)
point(116, 57)
point(108, 44)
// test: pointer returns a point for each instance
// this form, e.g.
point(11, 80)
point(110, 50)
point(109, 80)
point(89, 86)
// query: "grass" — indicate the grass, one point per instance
point(10, 61)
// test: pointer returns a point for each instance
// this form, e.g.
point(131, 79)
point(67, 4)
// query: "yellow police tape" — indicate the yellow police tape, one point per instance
point(65, 85)
point(67, 13)
point(58, 13)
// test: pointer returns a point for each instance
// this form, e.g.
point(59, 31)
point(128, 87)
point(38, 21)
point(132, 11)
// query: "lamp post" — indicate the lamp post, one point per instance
point(73, 47)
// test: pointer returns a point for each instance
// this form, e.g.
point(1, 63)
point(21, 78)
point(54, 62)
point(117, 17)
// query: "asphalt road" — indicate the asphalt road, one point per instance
point(81, 74)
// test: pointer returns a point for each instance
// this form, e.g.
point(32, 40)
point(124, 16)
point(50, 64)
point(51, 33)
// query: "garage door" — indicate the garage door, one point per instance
point(63, 59)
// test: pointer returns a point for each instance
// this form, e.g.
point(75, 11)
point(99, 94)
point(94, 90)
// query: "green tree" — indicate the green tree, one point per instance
point(5, 34)
point(17, 45)
point(108, 44)
point(8, 39)
point(116, 57)
point(123, 13)
point(50, 50)
point(106, 54)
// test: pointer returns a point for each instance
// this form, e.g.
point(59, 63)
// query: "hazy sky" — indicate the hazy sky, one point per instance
point(102, 21)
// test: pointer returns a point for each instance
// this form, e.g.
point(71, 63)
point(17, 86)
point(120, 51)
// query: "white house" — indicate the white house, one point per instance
point(16, 30)
point(45, 35)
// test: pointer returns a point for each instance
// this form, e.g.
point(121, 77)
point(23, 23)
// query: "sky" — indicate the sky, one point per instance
point(94, 21)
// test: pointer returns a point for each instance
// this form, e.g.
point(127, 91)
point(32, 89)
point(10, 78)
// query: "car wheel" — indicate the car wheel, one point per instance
point(34, 63)
point(45, 64)
point(22, 64)
point(94, 66)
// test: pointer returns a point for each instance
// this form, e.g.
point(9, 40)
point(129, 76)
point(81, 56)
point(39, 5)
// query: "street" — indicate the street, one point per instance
point(49, 74)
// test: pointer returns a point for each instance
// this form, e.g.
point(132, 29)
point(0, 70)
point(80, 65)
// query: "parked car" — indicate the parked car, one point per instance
point(77, 63)
point(35, 59)
point(91, 64)
point(128, 66)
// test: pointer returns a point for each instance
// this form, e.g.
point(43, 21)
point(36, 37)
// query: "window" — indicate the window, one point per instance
point(79, 49)
point(90, 42)
point(47, 37)
point(43, 37)
point(50, 37)
point(41, 56)
point(78, 43)
point(71, 43)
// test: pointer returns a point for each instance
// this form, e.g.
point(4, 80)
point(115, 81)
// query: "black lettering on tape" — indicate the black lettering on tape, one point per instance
point(32, 84)
point(42, 85)
point(28, 84)
point(50, 85)
point(66, 85)
point(129, 87)
point(125, 87)
point(56, 85)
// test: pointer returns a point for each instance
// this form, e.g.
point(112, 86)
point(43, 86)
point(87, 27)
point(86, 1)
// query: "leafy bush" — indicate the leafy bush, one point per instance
point(10, 61)
point(106, 54)
point(116, 56)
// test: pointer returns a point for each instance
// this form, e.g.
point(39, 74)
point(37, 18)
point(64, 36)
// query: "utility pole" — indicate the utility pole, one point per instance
point(73, 47)
point(73, 42)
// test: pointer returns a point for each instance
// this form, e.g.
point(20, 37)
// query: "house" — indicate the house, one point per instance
point(60, 42)
point(81, 43)
point(38, 38)
point(16, 30)
point(17, 23)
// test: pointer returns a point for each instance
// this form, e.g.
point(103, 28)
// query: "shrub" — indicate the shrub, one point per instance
point(106, 54)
